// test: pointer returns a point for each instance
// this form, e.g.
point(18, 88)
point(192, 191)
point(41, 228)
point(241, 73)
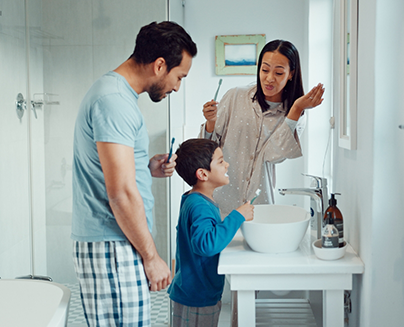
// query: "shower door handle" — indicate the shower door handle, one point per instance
point(20, 105)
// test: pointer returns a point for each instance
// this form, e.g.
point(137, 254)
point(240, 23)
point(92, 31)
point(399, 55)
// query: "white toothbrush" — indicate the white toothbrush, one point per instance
point(217, 91)
point(257, 193)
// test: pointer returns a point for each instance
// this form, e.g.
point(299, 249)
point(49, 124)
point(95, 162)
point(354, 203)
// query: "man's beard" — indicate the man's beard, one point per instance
point(156, 91)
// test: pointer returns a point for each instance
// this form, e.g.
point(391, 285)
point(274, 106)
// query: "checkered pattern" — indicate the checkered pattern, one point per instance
point(114, 287)
point(159, 307)
point(76, 313)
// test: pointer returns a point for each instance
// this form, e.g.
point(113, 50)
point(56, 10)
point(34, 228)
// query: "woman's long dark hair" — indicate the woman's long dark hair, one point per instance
point(294, 88)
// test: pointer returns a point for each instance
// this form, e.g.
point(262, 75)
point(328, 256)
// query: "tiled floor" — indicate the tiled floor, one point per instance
point(159, 309)
point(76, 315)
point(160, 312)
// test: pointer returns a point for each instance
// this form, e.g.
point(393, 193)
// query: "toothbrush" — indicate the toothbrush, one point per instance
point(217, 91)
point(171, 149)
point(257, 193)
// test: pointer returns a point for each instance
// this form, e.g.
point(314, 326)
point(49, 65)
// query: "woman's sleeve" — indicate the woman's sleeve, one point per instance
point(301, 125)
point(283, 144)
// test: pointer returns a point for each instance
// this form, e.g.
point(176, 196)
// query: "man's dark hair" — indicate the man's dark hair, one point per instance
point(167, 40)
point(192, 155)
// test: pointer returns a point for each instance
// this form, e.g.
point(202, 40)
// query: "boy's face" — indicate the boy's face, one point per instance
point(218, 169)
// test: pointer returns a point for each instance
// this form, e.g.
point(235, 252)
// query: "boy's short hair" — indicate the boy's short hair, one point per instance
point(167, 40)
point(192, 155)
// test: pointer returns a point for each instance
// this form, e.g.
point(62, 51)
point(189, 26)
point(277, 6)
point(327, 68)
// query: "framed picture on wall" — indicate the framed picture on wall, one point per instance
point(238, 54)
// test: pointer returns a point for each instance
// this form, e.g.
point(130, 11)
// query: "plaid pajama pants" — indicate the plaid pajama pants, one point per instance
point(113, 286)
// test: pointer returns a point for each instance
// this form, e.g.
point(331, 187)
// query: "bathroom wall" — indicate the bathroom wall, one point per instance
point(371, 178)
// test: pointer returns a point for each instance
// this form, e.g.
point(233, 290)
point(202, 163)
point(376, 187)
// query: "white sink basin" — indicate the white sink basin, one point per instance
point(276, 228)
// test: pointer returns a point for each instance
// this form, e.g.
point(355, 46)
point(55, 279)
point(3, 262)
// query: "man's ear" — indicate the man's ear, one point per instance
point(159, 66)
point(201, 174)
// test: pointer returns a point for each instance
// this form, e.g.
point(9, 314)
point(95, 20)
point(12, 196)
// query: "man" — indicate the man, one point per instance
point(115, 257)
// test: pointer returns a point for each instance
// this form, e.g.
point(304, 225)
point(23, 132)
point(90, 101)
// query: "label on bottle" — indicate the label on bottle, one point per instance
point(340, 226)
point(329, 242)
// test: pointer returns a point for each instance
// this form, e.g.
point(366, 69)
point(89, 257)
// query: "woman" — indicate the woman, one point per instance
point(256, 125)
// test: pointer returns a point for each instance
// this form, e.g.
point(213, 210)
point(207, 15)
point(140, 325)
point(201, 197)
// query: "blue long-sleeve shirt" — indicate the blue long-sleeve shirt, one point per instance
point(201, 236)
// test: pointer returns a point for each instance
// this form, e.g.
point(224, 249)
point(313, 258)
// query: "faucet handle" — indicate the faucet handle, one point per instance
point(321, 182)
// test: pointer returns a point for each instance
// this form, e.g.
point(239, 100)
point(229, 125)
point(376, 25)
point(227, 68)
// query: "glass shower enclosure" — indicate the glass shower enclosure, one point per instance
point(51, 51)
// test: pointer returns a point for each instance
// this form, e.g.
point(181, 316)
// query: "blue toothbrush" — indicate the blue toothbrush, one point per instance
point(257, 193)
point(217, 91)
point(171, 149)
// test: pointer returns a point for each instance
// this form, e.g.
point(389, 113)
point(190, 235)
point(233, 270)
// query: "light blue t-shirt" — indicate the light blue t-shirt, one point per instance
point(109, 112)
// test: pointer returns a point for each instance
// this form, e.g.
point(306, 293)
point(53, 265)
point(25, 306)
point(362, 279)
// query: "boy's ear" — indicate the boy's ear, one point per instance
point(201, 174)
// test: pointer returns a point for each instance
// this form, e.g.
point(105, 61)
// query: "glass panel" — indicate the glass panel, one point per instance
point(14, 175)
point(71, 44)
point(75, 42)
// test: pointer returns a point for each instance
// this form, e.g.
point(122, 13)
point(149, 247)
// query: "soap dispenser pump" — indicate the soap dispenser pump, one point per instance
point(337, 217)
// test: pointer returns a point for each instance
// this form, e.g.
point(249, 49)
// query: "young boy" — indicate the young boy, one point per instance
point(197, 288)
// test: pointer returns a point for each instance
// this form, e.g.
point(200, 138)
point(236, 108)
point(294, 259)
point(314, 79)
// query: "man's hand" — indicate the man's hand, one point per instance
point(157, 273)
point(160, 168)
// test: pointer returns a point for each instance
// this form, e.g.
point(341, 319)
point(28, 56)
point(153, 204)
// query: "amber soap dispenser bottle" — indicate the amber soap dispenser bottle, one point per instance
point(337, 216)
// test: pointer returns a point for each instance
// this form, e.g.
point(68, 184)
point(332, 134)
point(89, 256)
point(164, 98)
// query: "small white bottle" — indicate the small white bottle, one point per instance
point(330, 235)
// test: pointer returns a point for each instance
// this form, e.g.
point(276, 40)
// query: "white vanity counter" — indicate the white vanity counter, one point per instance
point(248, 271)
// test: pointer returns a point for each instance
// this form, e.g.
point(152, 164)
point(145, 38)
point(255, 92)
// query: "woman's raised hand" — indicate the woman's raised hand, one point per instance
point(210, 113)
point(310, 100)
point(314, 97)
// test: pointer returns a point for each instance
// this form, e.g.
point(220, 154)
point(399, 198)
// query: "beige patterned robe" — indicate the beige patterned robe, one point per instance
point(252, 143)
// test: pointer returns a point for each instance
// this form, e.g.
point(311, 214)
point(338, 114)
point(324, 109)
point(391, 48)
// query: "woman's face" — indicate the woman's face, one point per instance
point(274, 74)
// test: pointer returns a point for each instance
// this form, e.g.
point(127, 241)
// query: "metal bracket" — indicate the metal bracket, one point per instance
point(21, 103)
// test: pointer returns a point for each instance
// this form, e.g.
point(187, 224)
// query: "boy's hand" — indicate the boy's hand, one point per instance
point(247, 210)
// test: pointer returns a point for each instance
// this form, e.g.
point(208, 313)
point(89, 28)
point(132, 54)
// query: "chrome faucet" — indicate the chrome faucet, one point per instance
point(318, 201)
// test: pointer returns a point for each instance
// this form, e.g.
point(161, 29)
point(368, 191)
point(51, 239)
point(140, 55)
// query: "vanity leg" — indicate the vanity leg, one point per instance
point(333, 308)
point(246, 308)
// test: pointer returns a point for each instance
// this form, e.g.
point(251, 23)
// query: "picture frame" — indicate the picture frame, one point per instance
point(238, 54)
point(345, 73)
